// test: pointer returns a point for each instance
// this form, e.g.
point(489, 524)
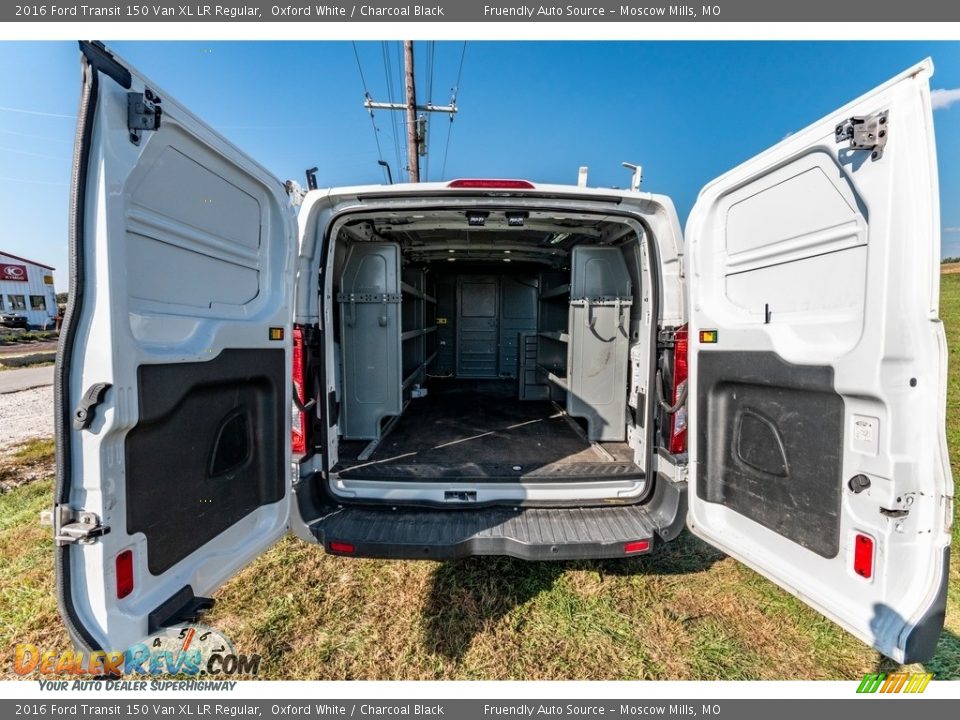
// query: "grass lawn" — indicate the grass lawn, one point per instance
point(688, 612)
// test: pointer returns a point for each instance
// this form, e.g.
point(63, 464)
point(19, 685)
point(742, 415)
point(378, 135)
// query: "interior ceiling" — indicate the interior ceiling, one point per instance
point(544, 238)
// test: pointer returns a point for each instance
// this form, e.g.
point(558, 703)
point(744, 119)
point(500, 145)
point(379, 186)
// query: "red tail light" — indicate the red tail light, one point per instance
point(298, 425)
point(678, 421)
point(491, 184)
point(124, 564)
point(637, 546)
point(341, 547)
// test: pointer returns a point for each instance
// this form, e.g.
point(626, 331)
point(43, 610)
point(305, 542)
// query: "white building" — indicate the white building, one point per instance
point(26, 288)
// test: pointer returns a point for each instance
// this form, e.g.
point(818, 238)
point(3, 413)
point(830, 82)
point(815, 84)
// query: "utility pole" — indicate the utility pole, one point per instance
point(416, 128)
point(413, 141)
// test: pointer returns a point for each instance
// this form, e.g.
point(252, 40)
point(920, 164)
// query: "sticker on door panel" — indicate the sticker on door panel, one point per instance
point(866, 434)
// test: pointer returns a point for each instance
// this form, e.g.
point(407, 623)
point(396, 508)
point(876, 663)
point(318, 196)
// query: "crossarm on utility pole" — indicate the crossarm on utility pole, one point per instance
point(429, 107)
point(416, 135)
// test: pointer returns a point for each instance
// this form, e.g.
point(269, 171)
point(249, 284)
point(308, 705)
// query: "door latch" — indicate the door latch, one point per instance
point(143, 113)
point(865, 132)
point(83, 415)
point(72, 526)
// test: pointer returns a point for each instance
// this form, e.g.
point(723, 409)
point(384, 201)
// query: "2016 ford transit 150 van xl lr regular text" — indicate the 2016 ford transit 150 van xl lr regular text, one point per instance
point(502, 367)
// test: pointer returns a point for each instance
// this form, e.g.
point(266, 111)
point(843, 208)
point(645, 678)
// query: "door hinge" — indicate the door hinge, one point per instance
point(73, 526)
point(143, 113)
point(83, 415)
point(865, 132)
point(667, 337)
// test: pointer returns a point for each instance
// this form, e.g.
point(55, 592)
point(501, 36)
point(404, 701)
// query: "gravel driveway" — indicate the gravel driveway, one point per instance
point(26, 414)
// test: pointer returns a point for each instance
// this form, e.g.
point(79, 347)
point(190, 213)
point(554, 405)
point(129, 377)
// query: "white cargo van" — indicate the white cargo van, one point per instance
point(502, 367)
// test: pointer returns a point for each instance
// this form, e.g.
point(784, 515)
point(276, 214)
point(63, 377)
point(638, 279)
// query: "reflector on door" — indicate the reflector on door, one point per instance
point(863, 556)
point(124, 567)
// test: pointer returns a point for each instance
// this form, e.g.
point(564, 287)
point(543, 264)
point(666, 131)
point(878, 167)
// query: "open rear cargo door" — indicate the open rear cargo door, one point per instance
point(818, 369)
point(173, 377)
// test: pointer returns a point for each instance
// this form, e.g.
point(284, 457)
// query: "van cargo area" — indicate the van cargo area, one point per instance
point(478, 430)
point(489, 346)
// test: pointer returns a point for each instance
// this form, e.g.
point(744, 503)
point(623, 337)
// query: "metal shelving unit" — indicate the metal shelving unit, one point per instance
point(418, 328)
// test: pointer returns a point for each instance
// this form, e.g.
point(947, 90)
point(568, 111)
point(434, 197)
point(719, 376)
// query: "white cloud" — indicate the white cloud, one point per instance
point(942, 99)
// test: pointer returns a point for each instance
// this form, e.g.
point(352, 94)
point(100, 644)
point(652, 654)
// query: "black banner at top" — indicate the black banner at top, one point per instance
point(614, 11)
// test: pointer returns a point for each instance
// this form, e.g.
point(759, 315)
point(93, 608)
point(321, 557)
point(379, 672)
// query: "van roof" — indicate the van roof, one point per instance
point(444, 188)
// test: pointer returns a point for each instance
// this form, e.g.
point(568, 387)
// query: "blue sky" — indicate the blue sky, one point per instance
point(686, 111)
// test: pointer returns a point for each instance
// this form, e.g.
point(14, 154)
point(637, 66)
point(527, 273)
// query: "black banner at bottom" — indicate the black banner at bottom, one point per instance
point(873, 707)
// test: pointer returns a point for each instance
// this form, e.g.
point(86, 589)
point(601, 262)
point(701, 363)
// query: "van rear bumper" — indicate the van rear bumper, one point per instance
point(526, 533)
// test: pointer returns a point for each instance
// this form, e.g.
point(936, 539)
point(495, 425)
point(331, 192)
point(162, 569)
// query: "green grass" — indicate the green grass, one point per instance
point(28, 609)
point(686, 612)
point(27, 336)
point(28, 461)
point(35, 451)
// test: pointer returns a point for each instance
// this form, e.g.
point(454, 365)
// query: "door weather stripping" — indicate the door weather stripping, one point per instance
point(865, 132)
point(73, 526)
point(143, 113)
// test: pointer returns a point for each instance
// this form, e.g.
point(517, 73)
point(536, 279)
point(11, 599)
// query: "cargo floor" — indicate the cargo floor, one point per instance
point(480, 430)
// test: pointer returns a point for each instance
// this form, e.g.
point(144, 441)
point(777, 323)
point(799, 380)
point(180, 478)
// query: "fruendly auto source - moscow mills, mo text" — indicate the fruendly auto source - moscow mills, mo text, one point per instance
point(612, 11)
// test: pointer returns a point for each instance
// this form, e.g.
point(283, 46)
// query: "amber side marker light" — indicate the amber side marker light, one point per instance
point(708, 336)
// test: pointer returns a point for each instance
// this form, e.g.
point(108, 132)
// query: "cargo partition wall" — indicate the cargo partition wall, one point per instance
point(584, 355)
point(370, 329)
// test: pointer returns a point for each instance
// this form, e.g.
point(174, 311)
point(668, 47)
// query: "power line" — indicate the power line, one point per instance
point(366, 94)
point(25, 111)
point(401, 85)
point(416, 127)
point(446, 149)
point(33, 182)
point(463, 53)
point(453, 101)
point(388, 73)
point(32, 154)
point(431, 56)
point(356, 55)
point(46, 138)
